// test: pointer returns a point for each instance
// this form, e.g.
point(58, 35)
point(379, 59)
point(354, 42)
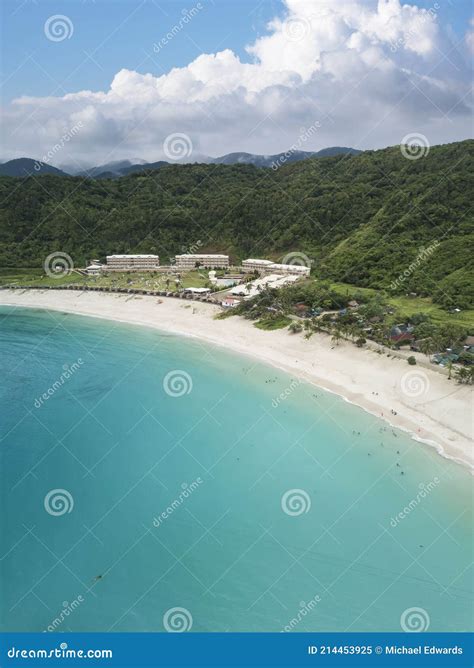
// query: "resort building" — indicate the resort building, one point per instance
point(265, 266)
point(290, 269)
point(94, 269)
point(188, 262)
point(230, 302)
point(252, 288)
point(255, 265)
point(132, 262)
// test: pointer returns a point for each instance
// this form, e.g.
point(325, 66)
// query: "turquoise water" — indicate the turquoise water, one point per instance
point(185, 501)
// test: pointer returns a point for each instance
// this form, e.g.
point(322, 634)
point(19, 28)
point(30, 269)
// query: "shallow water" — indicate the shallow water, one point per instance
point(186, 501)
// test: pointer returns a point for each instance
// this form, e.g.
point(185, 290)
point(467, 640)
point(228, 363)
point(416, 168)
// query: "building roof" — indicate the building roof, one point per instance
point(132, 257)
point(272, 281)
point(200, 255)
point(259, 261)
point(299, 268)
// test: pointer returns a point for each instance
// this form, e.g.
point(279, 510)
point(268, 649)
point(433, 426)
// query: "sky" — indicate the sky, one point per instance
point(91, 81)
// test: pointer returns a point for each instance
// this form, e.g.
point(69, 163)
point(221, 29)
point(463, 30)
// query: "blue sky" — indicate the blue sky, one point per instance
point(119, 34)
point(367, 79)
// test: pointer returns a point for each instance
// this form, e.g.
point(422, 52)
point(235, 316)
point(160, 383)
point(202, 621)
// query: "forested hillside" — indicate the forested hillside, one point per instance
point(361, 219)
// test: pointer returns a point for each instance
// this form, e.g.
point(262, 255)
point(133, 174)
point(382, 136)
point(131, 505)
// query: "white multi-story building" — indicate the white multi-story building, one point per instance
point(132, 262)
point(189, 261)
point(255, 265)
point(287, 269)
point(267, 266)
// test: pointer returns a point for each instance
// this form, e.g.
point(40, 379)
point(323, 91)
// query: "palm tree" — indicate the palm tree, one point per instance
point(449, 366)
point(336, 335)
point(295, 327)
point(464, 375)
point(428, 347)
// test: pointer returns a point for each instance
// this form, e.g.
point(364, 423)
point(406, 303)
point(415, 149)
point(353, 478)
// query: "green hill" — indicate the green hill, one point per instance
point(374, 220)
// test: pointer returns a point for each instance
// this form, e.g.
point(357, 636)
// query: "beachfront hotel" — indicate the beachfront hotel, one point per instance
point(132, 263)
point(188, 261)
point(264, 266)
point(290, 269)
point(255, 265)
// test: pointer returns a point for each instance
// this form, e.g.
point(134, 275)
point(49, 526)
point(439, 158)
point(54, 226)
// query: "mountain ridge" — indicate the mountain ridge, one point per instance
point(116, 169)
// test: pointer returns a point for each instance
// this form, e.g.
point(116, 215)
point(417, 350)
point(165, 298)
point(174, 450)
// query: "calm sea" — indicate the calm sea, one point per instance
point(151, 482)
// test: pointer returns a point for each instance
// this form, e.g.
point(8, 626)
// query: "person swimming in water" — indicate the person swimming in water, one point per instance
point(98, 577)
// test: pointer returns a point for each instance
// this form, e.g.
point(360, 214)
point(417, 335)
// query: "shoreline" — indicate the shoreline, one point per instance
point(438, 416)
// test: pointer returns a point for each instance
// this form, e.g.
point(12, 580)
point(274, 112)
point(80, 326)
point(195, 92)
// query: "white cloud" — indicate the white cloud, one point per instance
point(370, 72)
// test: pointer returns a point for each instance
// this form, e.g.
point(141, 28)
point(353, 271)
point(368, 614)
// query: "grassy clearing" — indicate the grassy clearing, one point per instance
point(137, 280)
point(270, 324)
point(407, 306)
point(346, 290)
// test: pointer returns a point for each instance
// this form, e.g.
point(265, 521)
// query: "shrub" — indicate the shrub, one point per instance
point(295, 327)
point(411, 360)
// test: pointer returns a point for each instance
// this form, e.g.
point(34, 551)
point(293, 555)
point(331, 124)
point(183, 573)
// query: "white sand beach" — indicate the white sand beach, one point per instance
point(432, 408)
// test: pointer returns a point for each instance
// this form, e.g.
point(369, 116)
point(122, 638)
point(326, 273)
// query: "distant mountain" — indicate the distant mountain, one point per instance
point(28, 167)
point(331, 151)
point(280, 158)
point(132, 169)
point(119, 168)
point(261, 160)
point(111, 169)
